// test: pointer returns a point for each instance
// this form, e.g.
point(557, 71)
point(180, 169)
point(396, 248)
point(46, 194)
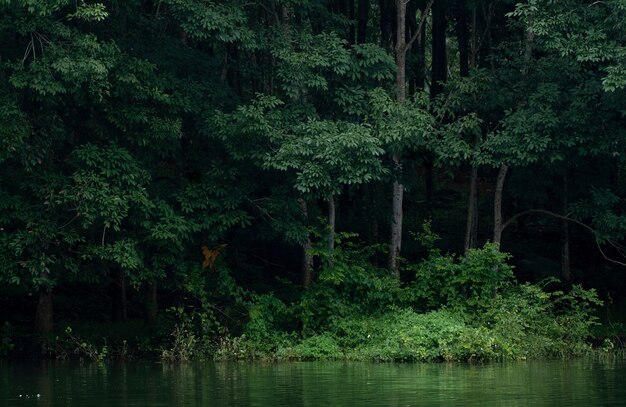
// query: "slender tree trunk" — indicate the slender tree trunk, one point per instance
point(119, 294)
point(471, 227)
point(419, 69)
point(352, 17)
point(462, 37)
point(401, 51)
point(151, 302)
point(395, 241)
point(331, 223)
point(362, 17)
point(429, 182)
point(387, 23)
point(566, 272)
point(439, 77)
point(497, 204)
point(396, 227)
point(439, 51)
point(307, 258)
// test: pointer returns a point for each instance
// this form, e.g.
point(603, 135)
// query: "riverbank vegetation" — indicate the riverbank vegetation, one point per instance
point(310, 179)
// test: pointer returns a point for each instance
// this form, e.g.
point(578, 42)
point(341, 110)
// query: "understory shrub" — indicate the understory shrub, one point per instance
point(456, 309)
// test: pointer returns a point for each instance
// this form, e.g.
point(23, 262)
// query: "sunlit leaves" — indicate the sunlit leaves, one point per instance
point(89, 12)
point(328, 154)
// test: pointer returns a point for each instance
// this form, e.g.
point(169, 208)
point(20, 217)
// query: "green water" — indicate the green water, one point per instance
point(551, 383)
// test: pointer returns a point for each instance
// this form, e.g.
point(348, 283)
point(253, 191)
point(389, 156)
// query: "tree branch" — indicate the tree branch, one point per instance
point(418, 33)
point(567, 218)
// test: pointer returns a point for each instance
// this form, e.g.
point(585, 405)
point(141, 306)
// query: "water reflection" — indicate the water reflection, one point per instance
point(579, 382)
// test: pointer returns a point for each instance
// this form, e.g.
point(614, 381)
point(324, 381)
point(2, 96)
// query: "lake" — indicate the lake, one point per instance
point(582, 382)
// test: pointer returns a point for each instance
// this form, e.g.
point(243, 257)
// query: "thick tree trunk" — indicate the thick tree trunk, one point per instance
point(151, 302)
point(362, 17)
point(566, 272)
point(119, 294)
point(497, 204)
point(471, 226)
point(307, 258)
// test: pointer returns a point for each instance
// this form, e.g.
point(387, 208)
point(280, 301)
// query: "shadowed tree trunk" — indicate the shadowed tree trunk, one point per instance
point(566, 272)
point(462, 38)
point(362, 17)
point(332, 214)
point(44, 315)
point(471, 226)
point(118, 287)
point(438, 78)
point(151, 302)
point(352, 17)
point(418, 77)
point(387, 23)
point(307, 258)
point(467, 61)
point(497, 204)
point(439, 51)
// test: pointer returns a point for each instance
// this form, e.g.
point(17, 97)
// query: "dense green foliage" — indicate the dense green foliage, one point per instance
point(187, 163)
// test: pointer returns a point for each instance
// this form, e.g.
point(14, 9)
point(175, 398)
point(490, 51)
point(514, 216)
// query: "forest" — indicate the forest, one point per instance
point(401, 180)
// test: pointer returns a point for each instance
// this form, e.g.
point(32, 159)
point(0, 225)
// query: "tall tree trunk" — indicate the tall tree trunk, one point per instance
point(497, 204)
point(439, 51)
point(151, 302)
point(429, 167)
point(438, 78)
point(395, 244)
point(118, 287)
point(416, 82)
point(462, 37)
point(400, 51)
point(331, 223)
point(44, 316)
point(387, 23)
point(362, 17)
point(566, 272)
point(352, 17)
point(395, 241)
point(307, 258)
point(471, 226)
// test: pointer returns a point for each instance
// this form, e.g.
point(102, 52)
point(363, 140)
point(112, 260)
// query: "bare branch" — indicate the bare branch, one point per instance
point(618, 247)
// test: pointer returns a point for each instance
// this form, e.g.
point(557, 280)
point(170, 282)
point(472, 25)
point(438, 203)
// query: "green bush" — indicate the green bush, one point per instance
point(469, 281)
point(352, 285)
